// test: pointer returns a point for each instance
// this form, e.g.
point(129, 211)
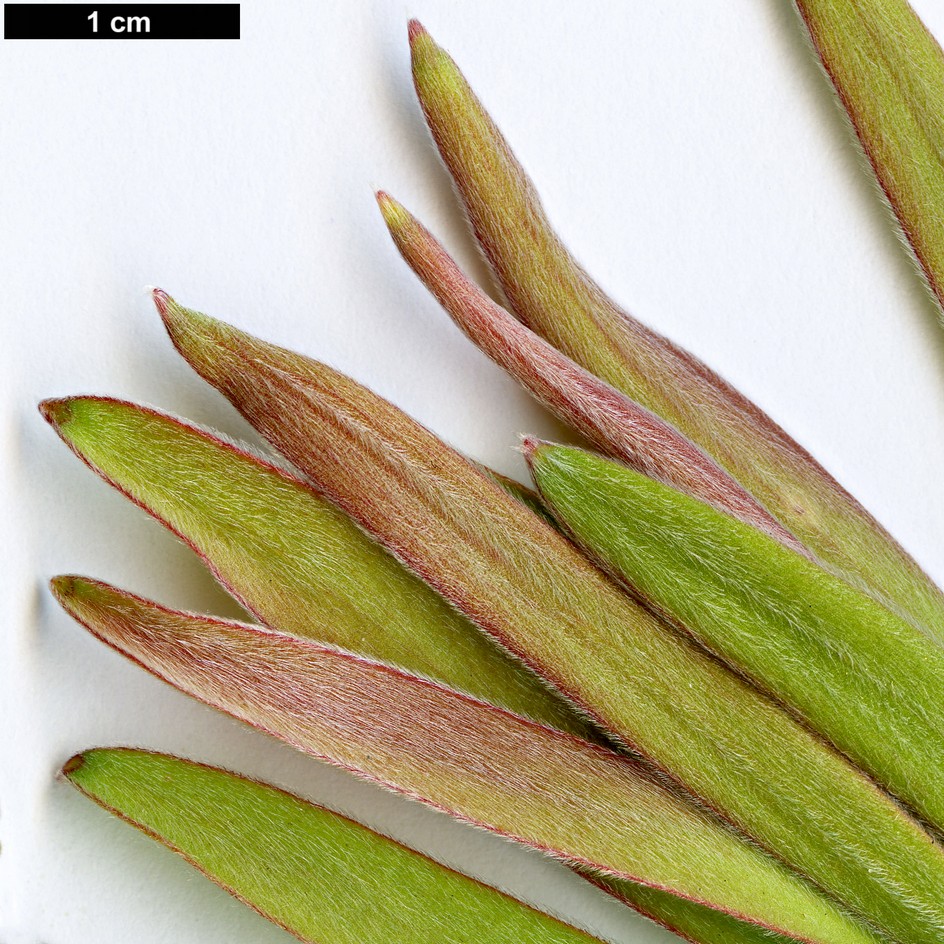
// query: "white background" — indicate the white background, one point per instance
point(690, 154)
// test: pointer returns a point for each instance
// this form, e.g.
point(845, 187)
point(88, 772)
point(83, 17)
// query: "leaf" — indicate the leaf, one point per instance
point(527, 496)
point(529, 588)
point(862, 677)
point(266, 530)
point(692, 922)
point(320, 876)
point(472, 760)
point(552, 295)
point(608, 418)
point(888, 72)
point(290, 557)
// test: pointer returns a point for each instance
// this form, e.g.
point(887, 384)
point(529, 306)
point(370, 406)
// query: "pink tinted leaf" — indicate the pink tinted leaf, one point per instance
point(465, 757)
point(549, 291)
point(530, 589)
point(608, 418)
point(291, 558)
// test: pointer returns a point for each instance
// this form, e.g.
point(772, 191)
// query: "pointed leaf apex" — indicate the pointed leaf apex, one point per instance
point(194, 334)
point(175, 317)
point(78, 596)
point(63, 587)
point(394, 213)
point(416, 30)
point(433, 67)
point(72, 765)
point(57, 412)
point(530, 445)
point(172, 312)
point(161, 299)
point(74, 593)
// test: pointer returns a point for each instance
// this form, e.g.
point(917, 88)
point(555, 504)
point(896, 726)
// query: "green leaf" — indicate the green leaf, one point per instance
point(477, 762)
point(321, 876)
point(290, 557)
point(692, 922)
point(301, 565)
point(888, 72)
point(548, 290)
point(534, 592)
point(862, 677)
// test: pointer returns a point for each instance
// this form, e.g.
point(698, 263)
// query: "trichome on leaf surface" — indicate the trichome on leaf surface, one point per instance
point(691, 666)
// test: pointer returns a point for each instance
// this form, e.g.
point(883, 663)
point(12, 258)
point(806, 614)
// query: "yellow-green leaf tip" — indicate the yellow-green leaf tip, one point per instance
point(418, 33)
point(76, 421)
point(395, 215)
point(431, 63)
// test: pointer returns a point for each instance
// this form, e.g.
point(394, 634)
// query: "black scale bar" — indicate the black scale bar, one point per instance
point(121, 21)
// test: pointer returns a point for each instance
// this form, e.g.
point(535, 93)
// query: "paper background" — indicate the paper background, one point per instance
point(689, 153)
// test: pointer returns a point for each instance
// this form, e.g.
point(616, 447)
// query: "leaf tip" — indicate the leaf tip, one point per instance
point(530, 446)
point(171, 310)
point(190, 331)
point(174, 315)
point(78, 596)
point(57, 411)
point(72, 766)
point(430, 61)
point(395, 215)
point(63, 587)
point(161, 300)
point(416, 31)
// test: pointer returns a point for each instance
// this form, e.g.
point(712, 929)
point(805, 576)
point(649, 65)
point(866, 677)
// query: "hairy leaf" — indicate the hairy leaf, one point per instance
point(692, 922)
point(528, 587)
point(551, 293)
point(864, 678)
point(888, 72)
point(321, 876)
point(527, 496)
point(290, 557)
point(462, 756)
point(608, 418)
point(261, 529)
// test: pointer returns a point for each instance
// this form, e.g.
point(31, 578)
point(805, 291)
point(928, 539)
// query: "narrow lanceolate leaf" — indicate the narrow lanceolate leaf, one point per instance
point(470, 759)
point(864, 678)
point(533, 591)
point(692, 922)
point(292, 558)
point(888, 71)
point(608, 418)
point(269, 529)
point(321, 876)
point(550, 293)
